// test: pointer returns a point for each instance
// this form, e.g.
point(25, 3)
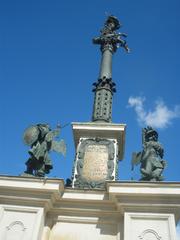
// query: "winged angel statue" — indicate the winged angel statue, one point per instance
point(151, 157)
point(40, 138)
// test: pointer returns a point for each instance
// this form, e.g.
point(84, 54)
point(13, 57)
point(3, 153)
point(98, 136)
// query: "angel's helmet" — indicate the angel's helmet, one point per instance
point(113, 23)
point(150, 134)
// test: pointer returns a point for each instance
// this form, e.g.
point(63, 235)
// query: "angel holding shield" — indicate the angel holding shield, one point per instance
point(41, 139)
point(151, 157)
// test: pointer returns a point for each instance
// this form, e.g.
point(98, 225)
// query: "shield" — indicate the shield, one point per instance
point(30, 135)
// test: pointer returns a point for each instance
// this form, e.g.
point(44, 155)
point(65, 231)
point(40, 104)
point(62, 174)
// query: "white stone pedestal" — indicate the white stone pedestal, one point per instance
point(99, 147)
point(101, 130)
point(43, 209)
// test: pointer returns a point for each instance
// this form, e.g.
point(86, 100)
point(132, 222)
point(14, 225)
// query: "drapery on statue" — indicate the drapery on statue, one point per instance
point(151, 158)
point(40, 138)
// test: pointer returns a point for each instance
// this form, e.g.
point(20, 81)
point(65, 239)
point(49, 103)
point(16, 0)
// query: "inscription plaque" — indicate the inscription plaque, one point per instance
point(95, 163)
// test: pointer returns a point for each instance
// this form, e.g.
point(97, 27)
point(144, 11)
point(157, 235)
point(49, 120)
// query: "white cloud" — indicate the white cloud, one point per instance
point(161, 117)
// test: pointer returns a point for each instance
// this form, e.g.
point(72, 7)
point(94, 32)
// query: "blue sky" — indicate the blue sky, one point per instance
point(48, 64)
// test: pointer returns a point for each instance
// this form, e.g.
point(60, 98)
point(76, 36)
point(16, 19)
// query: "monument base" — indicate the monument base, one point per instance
point(99, 146)
point(43, 209)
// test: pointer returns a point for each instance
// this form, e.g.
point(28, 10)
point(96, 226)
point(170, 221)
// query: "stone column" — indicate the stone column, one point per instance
point(109, 40)
point(106, 63)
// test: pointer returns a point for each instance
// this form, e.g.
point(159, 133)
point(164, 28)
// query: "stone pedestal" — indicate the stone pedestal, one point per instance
point(99, 146)
point(42, 209)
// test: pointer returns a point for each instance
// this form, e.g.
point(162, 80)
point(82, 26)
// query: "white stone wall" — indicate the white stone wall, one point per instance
point(42, 209)
point(149, 226)
point(83, 231)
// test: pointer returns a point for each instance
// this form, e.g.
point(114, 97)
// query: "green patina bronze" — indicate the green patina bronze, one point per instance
point(40, 138)
point(109, 41)
point(151, 158)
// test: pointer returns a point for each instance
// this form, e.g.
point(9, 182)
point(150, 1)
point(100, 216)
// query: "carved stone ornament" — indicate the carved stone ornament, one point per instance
point(95, 163)
point(15, 230)
point(149, 234)
point(19, 223)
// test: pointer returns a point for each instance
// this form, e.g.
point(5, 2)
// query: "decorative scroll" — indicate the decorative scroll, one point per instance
point(15, 231)
point(149, 234)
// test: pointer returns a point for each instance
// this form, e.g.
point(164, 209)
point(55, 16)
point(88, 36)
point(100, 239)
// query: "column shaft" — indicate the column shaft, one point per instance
point(106, 64)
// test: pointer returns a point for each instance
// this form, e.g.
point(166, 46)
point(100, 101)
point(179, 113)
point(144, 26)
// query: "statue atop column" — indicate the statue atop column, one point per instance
point(100, 143)
point(109, 41)
point(40, 138)
point(109, 38)
point(151, 157)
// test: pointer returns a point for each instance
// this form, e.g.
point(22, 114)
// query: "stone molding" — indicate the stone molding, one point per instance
point(101, 130)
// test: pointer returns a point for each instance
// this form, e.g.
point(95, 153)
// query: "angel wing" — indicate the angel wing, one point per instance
point(59, 146)
point(52, 134)
point(136, 158)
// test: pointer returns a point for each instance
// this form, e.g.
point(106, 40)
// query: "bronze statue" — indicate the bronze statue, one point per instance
point(109, 37)
point(40, 138)
point(151, 158)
